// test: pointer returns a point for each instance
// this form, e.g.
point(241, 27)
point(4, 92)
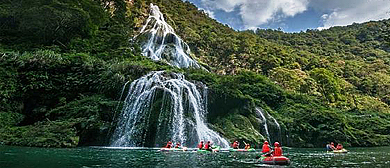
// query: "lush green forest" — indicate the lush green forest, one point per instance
point(63, 65)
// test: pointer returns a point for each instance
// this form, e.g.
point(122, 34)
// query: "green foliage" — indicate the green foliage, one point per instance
point(328, 85)
point(10, 119)
point(63, 64)
point(96, 106)
point(236, 127)
point(8, 86)
point(43, 134)
point(290, 79)
point(46, 85)
point(50, 22)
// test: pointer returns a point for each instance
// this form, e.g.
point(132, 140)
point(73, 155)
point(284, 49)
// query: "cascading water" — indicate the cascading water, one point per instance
point(160, 42)
point(268, 121)
point(161, 107)
point(277, 126)
point(264, 120)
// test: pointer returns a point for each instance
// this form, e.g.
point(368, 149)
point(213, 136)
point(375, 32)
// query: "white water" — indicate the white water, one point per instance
point(264, 120)
point(264, 115)
point(180, 117)
point(160, 42)
point(278, 126)
point(162, 107)
point(120, 98)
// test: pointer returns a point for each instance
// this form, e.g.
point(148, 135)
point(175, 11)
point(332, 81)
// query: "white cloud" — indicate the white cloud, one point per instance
point(349, 11)
point(209, 12)
point(255, 13)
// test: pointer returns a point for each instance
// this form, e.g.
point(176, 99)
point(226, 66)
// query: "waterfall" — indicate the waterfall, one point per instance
point(162, 107)
point(269, 123)
point(278, 128)
point(160, 42)
point(120, 98)
point(264, 120)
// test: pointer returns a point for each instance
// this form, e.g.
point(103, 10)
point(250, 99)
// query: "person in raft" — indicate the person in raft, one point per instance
point(177, 145)
point(247, 146)
point(330, 146)
point(169, 145)
point(277, 150)
point(266, 149)
point(200, 145)
point(339, 146)
point(207, 146)
point(235, 145)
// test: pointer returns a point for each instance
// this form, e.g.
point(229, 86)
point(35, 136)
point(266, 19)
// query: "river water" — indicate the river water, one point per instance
point(92, 157)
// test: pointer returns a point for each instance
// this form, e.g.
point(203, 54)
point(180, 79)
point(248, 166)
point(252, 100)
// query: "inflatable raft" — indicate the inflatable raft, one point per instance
point(214, 149)
point(340, 151)
point(274, 160)
point(173, 149)
point(242, 150)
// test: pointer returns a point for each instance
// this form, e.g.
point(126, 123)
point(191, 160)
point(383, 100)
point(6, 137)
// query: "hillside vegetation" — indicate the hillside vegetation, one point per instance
point(63, 65)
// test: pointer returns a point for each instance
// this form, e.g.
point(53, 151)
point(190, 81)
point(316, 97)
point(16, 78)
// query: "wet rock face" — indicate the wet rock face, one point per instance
point(94, 137)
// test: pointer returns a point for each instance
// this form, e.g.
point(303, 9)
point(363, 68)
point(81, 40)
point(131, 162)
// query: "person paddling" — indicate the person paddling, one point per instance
point(266, 148)
point(177, 145)
point(339, 146)
point(235, 145)
point(330, 146)
point(208, 146)
point(277, 150)
point(169, 145)
point(200, 145)
point(247, 146)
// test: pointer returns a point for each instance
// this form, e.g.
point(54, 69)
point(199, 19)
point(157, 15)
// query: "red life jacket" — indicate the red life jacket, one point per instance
point(168, 146)
point(265, 148)
point(235, 145)
point(277, 151)
point(207, 146)
point(200, 146)
point(339, 147)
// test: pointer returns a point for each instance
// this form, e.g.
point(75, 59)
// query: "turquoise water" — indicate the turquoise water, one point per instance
point(26, 157)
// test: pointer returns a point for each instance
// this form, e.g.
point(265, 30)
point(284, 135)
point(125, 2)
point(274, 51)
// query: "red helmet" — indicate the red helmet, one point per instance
point(265, 142)
point(276, 144)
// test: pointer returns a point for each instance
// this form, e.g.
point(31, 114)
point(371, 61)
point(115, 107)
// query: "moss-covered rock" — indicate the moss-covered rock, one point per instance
point(238, 127)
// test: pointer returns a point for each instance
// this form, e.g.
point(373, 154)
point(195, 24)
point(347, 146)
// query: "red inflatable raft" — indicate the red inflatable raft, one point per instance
point(274, 160)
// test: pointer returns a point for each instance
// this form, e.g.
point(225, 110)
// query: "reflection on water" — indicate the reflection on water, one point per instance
point(15, 157)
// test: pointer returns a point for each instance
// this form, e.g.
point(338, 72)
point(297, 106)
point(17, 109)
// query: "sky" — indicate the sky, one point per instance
point(293, 15)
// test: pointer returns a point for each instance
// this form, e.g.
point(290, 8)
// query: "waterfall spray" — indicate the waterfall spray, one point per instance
point(161, 106)
point(266, 120)
point(160, 42)
point(180, 116)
